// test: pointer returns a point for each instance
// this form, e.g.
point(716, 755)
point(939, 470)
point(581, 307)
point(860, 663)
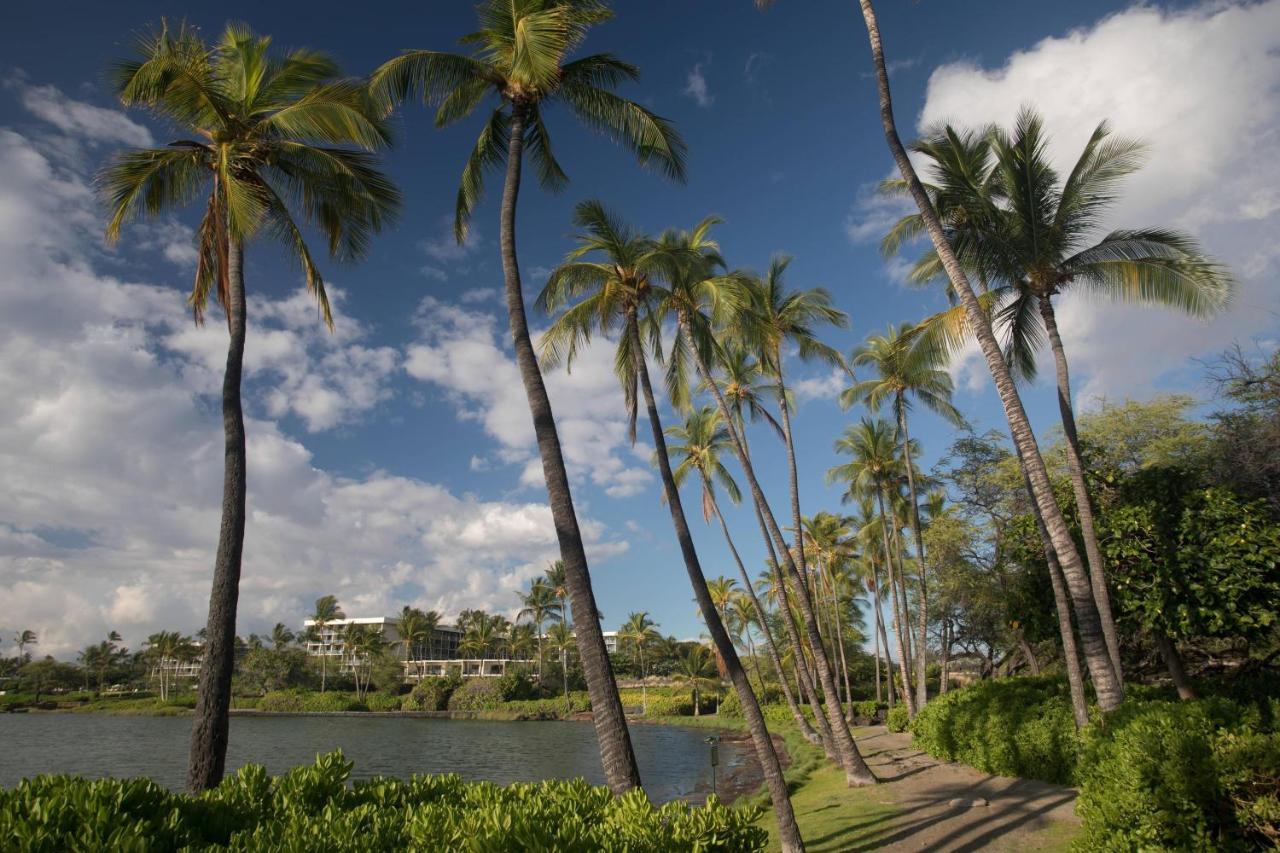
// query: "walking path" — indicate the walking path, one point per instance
point(925, 804)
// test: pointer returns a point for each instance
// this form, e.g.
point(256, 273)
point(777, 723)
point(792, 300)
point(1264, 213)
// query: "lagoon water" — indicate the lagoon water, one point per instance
point(674, 761)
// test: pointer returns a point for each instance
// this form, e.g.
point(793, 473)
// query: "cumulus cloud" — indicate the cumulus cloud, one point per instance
point(111, 451)
point(462, 351)
point(1199, 86)
point(77, 119)
point(696, 87)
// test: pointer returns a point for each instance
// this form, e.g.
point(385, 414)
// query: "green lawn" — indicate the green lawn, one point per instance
point(834, 817)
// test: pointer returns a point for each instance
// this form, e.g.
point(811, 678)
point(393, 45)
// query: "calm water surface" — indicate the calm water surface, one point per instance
point(673, 761)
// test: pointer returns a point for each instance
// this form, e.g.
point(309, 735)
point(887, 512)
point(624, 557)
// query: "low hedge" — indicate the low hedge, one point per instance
point(312, 808)
point(897, 719)
point(1154, 774)
point(430, 694)
point(296, 701)
point(491, 694)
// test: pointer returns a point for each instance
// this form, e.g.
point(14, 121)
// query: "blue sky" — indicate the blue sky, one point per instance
point(390, 463)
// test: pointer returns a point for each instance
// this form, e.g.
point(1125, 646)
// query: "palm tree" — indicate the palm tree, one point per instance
point(869, 530)
point(871, 445)
point(327, 610)
point(826, 536)
point(415, 629)
point(521, 56)
point(362, 644)
point(281, 636)
point(1029, 233)
point(639, 631)
point(697, 296)
point(1106, 681)
point(482, 636)
point(101, 658)
point(905, 370)
point(166, 648)
point(697, 669)
point(699, 442)
point(539, 605)
point(559, 587)
point(523, 639)
point(22, 639)
point(266, 135)
point(561, 640)
point(619, 289)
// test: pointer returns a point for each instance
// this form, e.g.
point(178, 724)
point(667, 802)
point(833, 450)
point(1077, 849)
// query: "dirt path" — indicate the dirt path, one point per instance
point(952, 807)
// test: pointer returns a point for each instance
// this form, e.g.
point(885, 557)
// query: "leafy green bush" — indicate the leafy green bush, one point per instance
point(897, 719)
point(489, 694)
point(379, 701)
point(866, 711)
point(1010, 726)
point(298, 702)
point(312, 808)
point(430, 694)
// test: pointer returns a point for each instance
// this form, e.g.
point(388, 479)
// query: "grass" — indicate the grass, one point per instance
point(834, 817)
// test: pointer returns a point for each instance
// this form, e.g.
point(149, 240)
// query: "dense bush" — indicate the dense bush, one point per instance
point(1154, 774)
point(489, 694)
point(379, 701)
point(312, 808)
point(293, 701)
point(430, 694)
point(897, 718)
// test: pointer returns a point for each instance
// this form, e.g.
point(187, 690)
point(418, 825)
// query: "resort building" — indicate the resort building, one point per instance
point(611, 642)
point(437, 656)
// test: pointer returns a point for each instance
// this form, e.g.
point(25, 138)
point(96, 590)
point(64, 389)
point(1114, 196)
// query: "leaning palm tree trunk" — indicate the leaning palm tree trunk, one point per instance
point(922, 690)
point(208, 755)
point(616, 753)
point(801, 721)
point(897, 615)
point(855, 769)
point(1106, 683)
point(788, 829)
point(1097, 568)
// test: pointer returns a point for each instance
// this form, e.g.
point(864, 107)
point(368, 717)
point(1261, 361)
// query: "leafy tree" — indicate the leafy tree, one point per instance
point(46, 674)
point(639, 631)
point(22, 639)
point(521, 56)
point(267, 137)
point(326, 611)
point(101, 659)
point(540, 604)
point(697, 669)
point(281, 636)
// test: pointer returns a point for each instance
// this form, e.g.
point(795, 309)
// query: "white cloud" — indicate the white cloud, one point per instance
point(826, 387)
point(77, 119)
point(873, 214)
point(696, 87)
point(462, 351)
point(1199, 86)
point(479, 294)
point(111, 453)
point(443, 247)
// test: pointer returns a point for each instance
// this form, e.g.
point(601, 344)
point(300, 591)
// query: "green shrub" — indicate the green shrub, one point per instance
point(379, 701)
point(488, 694)
point(897, 719)
point(299, 702)
point(866, 711)
point(312, 808)
point(430, 694)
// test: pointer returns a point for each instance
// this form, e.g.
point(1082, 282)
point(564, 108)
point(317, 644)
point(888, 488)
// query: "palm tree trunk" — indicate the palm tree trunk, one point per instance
point(1084, 508)
point(1075, 678)
point(897, 617)
point(922, 689)
point(1173, 662)
point(875, 640)
point(901, 588)
point(946, 656)
point(1106, 683)
point(616, 754)
point(844, 662)
point(788, 829)
point(209, 732)
point(855, 769)
point(801, 721)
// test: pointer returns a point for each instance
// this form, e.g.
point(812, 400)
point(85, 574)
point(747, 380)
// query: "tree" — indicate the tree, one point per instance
point(327, 610)
point(22, 639)
point(166, 649)
point(521, 56)
point(905, 370)
point(414, 629)
point(699, 443)
point(100, 659)
point(38, 676)
point(281, 636)
point(619, 289)
point(561, 641)
point(698, 295)
point(639, 631)
point(696, 669)
point(1028, 232)
point(1109, 690)
point(266, 136)
point(539, 605)
point(362, 644)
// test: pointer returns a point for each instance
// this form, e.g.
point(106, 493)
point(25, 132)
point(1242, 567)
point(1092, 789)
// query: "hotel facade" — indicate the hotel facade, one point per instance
point(434, 657)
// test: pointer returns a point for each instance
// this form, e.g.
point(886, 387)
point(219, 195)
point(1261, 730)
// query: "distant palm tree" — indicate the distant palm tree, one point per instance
point(561, 641)
point(905, 370)
point(559, 587)
point(327, 610)
point(522, 56)
point(539, 605)
point(22, 639)
point(639, 631)
point(166, 649)
point(414, 629)
point(522, 640)
point(362, 643)
point(697, 669)
point(266, 135)
point(281, 636)
point(101, 658)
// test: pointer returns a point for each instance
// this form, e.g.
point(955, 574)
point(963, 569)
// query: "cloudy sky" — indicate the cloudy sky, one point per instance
point(392, 461)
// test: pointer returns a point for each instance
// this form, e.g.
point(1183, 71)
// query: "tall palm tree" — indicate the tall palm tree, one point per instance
point(414, 629)
point(1031, 234)
point(826, 536)
point(521, 55)
point(869, 531)
point(523, 639)
point(559, 587)
point(22, 639)
point(639, 631)
point(101, 658)
point(871, 445)
point(326, 611)
point(905, 370)
point(539, 605)
point(698, 295)
point(699, 443)
point(696, 668)
point(619, 289)
point(561, 640)
point(1106, 681)
point(281, 636)
point(266, 135)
